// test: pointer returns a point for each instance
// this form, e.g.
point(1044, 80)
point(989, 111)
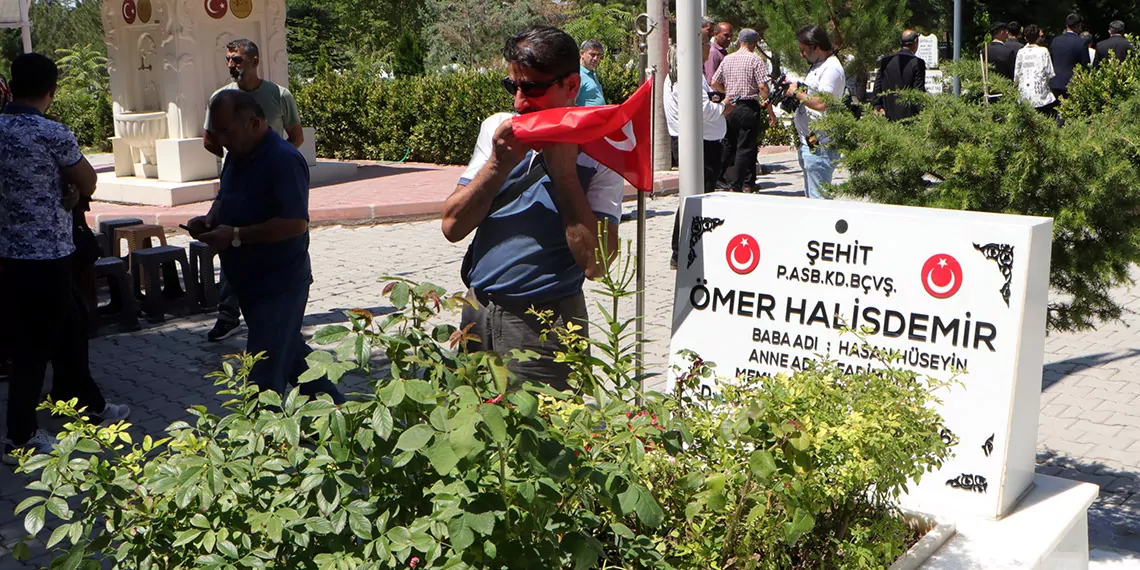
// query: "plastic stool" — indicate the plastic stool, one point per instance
point(139, 236)
point(108, 227)
point(123, 308)
point(202, 261)
point(167, 294)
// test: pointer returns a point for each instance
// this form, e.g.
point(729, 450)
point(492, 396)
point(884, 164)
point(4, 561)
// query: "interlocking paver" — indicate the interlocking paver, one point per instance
point(1088, 427)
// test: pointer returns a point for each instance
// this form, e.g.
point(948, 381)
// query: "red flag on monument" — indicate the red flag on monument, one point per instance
point(614, 135)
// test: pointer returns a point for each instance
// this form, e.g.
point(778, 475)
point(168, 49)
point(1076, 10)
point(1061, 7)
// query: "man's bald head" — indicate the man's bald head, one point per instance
point(909, 40)
point(237, 120)
point(723, 37)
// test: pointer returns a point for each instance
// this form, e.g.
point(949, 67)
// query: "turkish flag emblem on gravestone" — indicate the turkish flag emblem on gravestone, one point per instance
point(615, 135)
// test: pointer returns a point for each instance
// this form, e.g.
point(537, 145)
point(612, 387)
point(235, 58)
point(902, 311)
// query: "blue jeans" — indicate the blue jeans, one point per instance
point(274, 325)
point(818, 166)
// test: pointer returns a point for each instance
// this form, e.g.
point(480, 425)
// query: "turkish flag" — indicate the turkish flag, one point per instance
point(614, 135)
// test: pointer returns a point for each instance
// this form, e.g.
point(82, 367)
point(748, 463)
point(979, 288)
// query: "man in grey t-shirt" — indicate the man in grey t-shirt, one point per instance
point(281, 115)
point(276, 101)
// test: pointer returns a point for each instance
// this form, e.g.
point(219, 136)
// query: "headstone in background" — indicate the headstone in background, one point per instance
point(928, 50)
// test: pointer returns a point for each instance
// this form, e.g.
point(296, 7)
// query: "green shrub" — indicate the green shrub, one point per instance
point(88, 115)
point(619, 79)
point(448, 462)
point(963, 154)
point(1100, 89)
point(430, 118)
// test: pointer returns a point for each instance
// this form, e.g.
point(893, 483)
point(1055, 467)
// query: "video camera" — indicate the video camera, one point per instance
point(778, 95)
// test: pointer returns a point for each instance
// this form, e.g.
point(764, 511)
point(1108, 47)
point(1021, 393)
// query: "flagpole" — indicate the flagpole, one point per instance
point(646, 73)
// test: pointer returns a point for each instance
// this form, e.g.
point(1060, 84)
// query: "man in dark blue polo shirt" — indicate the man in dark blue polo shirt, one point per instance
point(260, 225)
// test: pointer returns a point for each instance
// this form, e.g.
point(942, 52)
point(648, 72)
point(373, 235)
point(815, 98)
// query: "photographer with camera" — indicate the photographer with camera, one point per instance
point(824, 77)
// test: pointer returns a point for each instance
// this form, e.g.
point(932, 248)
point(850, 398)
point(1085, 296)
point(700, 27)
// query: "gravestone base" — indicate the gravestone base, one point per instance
point(1047, 530)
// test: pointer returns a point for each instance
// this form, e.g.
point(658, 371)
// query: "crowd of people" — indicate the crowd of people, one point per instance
point(1042, 74)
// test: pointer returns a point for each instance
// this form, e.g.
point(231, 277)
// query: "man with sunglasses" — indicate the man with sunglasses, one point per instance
point(535, 214)
point(281, 115)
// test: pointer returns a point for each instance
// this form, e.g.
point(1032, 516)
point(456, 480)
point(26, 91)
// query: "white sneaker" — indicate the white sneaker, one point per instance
point(113, 413)
point(41, 443)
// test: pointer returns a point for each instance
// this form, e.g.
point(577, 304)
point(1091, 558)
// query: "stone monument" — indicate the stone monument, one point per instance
point(165, 58)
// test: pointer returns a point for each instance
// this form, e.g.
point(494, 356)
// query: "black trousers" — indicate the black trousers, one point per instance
point(229, 311)
point(712, 152)
point(40, 298)
point(738, 164)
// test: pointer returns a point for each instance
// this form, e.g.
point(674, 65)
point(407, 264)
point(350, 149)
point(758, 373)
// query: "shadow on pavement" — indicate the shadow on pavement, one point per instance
point(373, 171)
point(1056, 371)
point(1114, 518)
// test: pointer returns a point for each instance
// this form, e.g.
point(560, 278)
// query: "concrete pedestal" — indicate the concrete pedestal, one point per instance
point(151, 192)
point(1047, 530)
point(184, 160)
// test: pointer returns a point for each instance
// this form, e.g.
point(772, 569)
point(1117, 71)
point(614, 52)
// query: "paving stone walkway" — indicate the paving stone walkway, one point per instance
point(1090, 416)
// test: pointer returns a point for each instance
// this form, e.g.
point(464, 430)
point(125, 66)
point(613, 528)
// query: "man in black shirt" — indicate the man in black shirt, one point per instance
point(903, 70)
point(1115, 46)
point(1000, 56)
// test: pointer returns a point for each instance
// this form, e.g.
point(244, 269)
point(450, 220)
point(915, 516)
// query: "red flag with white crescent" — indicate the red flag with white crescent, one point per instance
point(615, 135)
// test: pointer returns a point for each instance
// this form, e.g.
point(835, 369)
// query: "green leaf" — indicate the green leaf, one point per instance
point(441, 456)
point(392, 394)
point(22, 551)
point(460, 534)
point(382, 422)
point(400, 537)
point(584, 550)
point(762, 463)
point(34, 521)
point(629, 498)
point(802, 522)
point(58, 534)
point(493, 416)
point(648, 511)
point(360, 525)
point(527, 404)
point(330, 334)
point(499, 372)
point(415, 437)
point(399, 295)
point(29, 503)
point(421, 391)
point(490, 549)
point(186, 537)
point(199, 521)
point(482, 523)
point(621, 530)
point(228, 549)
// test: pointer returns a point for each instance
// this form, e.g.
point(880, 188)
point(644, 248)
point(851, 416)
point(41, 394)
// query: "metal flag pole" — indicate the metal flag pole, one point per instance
point(644, 27)
point(957, 43)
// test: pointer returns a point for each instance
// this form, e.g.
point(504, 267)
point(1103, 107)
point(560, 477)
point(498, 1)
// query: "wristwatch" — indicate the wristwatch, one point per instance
point(236, 242)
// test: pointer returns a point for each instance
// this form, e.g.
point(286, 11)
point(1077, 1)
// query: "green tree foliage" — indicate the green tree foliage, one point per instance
point(1104, 88)
point(610, 25)
point(83, 67)
point(861, 30)
point(1006, 157)
point(58, 24)
point(739, 13)
point(471, 33)
point(409, 59)
point(88, 114)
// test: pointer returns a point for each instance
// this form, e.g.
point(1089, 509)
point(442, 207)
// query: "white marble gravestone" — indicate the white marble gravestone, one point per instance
point(765, 283)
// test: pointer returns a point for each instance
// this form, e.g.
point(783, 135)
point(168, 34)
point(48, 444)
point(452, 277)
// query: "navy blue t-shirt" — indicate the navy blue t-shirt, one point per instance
point(270, 182)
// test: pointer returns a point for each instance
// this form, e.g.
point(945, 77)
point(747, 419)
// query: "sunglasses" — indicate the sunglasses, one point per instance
point(237, 59)
point(530, 88)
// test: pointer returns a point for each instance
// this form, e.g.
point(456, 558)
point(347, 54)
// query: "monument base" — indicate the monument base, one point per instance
point(1047, 530)
point(152, 192)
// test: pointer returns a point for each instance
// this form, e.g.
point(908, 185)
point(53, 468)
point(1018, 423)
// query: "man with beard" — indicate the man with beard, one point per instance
point(281, 115)
point(535, 214)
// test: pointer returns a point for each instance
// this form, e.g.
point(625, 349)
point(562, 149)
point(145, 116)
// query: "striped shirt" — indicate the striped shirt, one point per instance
point(742, 73)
